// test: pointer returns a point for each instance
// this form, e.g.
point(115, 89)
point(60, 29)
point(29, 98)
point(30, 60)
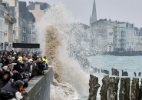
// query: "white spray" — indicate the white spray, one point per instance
point(53, 32)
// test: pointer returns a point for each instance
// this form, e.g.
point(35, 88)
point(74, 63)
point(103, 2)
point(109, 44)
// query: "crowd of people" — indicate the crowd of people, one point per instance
point(16, 69)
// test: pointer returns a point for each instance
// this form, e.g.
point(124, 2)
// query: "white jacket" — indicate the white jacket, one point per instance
point(18, 96)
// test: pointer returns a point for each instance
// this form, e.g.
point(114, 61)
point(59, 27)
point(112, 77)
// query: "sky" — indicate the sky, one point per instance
point(121, 10)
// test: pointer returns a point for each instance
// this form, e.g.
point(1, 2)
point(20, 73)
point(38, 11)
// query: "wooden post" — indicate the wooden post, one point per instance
point(93, 83)
point(135, 89)
point(104, 88)
point(111, 92)
point(140, 91)
point(113, 88)
point(116, 87)
point(124, 93)
point(127, 85)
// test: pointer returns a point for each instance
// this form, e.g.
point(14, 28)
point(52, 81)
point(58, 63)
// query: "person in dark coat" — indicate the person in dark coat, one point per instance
point(12, 90)
point(19, 75)
point(5, 77)
point(4, 61)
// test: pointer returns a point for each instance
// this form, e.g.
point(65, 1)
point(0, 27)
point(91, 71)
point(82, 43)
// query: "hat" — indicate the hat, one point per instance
point(19, 83)
point(20, 59)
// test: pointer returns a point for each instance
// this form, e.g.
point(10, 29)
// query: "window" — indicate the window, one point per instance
point(23, 29)
point(16, 3)
point(111, 33)
point(23, 38)
point(1, 24)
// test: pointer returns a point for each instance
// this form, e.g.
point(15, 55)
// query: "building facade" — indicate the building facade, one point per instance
point(17, 24)
point(2, 21)
point(138, 39)
point(15, 4)
point(115, 36)
point(7, 21)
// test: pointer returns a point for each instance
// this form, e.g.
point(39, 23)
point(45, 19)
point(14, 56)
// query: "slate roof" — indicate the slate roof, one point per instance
point(43, 6)
point(28, 16)
point(22, 7)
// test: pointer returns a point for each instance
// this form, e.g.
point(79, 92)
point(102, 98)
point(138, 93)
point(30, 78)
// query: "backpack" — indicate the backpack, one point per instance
point(5, 95)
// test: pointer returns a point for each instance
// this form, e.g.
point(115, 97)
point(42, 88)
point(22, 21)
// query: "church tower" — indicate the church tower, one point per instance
point(94, 14)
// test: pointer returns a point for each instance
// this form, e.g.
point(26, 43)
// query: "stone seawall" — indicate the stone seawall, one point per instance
point(39, 86)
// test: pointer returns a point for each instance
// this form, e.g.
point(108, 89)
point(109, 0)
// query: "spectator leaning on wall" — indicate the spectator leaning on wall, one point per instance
point(12, 90)
point(16, 69)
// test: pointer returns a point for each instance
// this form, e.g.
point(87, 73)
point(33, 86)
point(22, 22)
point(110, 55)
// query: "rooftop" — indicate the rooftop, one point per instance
point(28, 16)
point(43, 6)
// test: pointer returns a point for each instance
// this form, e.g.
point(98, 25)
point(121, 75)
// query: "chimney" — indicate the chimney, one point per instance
point(30, 2)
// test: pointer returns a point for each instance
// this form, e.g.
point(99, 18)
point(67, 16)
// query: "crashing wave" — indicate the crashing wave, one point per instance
point(53, 30)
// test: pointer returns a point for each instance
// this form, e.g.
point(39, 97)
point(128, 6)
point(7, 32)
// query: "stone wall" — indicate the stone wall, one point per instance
point(39, 87)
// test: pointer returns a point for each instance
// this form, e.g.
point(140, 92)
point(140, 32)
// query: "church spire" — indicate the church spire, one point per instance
point(94, 14)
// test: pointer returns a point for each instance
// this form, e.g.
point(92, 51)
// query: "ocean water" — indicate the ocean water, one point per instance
point(130, 64)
